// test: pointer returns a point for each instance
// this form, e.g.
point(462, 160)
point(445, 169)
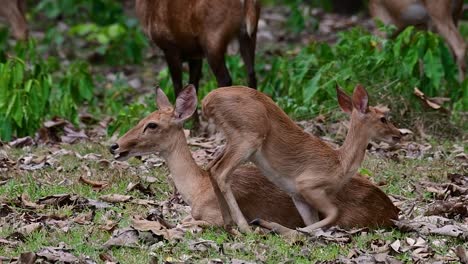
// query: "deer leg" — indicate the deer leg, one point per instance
point(221, 173)
point(174, 62)
point(308, 214)
point(312, 191)
point(195, 73)
point(277, 228)
point(216, 60)
point(318, 199)
point(13, 12)
point(247, 49)
point(450, 33)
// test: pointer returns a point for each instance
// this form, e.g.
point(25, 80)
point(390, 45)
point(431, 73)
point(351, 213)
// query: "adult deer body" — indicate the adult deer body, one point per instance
point(302, 165)
point(188, 30)
point(13, 11)
point(439, 15)
point(361, 204)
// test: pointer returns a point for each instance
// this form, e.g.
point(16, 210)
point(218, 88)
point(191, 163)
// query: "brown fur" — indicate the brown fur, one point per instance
point(189, 30)
point(257, 197)
point(13, 11)
point(442, 15)
point(302, 165)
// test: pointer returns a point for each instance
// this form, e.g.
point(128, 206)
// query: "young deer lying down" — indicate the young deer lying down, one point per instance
point(13, 11)
point(439, 15)
point(361, 204)
point(302, 165)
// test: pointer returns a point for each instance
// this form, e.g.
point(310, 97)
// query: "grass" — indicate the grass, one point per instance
point(87, 240)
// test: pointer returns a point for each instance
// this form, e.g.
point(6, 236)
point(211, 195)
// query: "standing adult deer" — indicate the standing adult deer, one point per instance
point(440, 15)
point(188, 30)
point(302, 165)
point(13, 11)
point(361, 203)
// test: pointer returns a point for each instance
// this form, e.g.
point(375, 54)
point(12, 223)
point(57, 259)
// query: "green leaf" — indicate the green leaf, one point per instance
point(312, 87)
point(433, 68)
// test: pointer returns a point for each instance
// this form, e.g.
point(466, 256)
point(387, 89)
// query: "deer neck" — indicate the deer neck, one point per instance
point(353, 150)
point(186, 174)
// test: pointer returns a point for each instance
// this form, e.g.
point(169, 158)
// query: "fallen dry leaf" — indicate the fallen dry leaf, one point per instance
point(57, 254)
point(461, 254)
point(127, 237)
point(115, 198)
point(21, 142)
point(97, 185)
point(25, 201)
point(84, 218)
point(28, 229)
point(435, 225)
point(27, 258)
point(109, 226)
point(5, 242)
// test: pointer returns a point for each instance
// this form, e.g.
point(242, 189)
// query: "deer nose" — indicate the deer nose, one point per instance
point(113, 148)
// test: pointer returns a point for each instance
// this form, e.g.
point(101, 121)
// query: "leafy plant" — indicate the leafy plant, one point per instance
point(118, 43)
point(129, 116)
point(102, 12)
point(303, 84)
point(31, 90)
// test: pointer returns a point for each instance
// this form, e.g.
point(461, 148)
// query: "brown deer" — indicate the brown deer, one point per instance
point(439, 15)
point(361, 203)
point(309, 170)
point(190, 30)
point(13, 11)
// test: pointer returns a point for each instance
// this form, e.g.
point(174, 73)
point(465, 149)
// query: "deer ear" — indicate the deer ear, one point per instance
point(344, 100)
point(161, 99)
point(360, 99)
point(186, 103)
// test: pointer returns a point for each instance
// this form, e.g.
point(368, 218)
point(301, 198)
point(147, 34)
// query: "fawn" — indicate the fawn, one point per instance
point(361, 203)
point(302, 165)
point(13, 11)
point(442, 15)
point(191, 30)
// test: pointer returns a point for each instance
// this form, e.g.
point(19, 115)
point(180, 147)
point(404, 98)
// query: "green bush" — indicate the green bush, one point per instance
point(108, 32)
point(102, 12)
point(304, 84)
point(32, 89)
point(118, 43)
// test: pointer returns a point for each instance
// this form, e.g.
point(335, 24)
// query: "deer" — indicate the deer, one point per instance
point(361, 204)
point(13, 11)
point(309, 170)
point(192, 30)
point(441, 16)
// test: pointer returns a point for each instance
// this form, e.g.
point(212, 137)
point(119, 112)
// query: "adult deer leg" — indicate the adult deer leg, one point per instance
point(195, 73)
point(247, 49)
point(174, 62)
point(215, 56)
point(444, 25)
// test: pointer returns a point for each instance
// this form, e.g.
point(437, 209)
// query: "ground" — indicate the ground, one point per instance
point(57, 197)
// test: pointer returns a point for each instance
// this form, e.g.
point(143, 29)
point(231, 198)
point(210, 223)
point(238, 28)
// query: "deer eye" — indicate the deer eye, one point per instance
point(383, 120)
point(151, 126)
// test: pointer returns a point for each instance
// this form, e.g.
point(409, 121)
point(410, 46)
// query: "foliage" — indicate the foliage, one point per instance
point(304, 84)
point(102, 24)
point(31, 89)
point(118, 43)
point(102, 12)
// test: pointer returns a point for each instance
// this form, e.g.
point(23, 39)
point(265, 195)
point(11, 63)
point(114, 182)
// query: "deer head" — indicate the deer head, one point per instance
point(158, 131)
point(372, 120)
